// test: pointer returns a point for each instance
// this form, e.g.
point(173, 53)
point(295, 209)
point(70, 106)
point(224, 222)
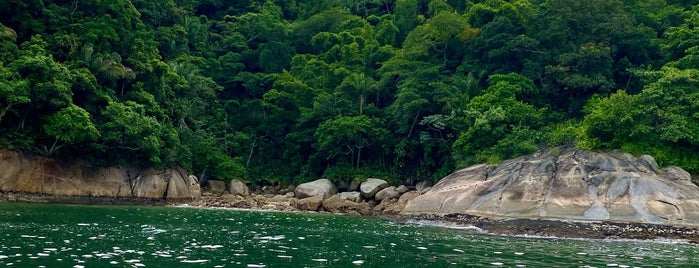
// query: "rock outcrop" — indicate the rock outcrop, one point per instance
point(567, 184)
point(40, 175)
point(371, 186)
point(215, 186)
point(237, 187)
point(310, 203)
point(351, 196)
point(387, 193)
point(322, 187)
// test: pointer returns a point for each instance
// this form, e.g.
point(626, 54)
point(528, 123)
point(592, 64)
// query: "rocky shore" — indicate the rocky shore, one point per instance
point(390, 209)
point(373, 197)
point(563, 228)
point(558, 192)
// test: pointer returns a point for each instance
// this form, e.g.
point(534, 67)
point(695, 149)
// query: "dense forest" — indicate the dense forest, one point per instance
point(285, 91)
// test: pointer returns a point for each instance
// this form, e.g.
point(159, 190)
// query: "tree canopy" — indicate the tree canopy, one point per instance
point(285, 91)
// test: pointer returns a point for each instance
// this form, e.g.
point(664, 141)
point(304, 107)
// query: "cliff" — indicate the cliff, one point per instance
point(20, 173)
point(567, 184)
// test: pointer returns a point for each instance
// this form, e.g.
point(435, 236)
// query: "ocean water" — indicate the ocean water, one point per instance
point(53, 235)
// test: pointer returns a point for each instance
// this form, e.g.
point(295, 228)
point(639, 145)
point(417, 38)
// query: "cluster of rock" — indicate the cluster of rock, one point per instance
point(26, 174)
point(370, 197)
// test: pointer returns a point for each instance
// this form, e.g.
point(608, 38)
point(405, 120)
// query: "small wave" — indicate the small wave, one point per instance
point(147, 229)
point(447, 225)
point(212, 246)
point(276, 237)
point(194, 261)
point(667, 241)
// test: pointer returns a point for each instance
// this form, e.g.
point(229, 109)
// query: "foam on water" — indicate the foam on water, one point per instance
point(448, 225)
point(212, 246)
point(194, 261)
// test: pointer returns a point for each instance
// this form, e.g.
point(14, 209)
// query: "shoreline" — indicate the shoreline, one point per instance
point(558, 228)
point(561, 228)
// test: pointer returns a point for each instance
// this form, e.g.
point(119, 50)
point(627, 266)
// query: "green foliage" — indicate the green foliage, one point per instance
point(288, 91)
point(345, 173)
point(13, 91)
point(128, 130)
point(71, 125)
point(498, 125)
point(562, 133)
point(661, 120)
point(348, 135)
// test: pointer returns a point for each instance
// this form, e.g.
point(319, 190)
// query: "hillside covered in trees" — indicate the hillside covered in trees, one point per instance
point(285, 91)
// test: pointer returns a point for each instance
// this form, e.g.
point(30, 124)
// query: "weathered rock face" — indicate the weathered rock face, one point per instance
point(371, 186)
point(40, 175)
point(351, 196)
point(570, 184)
point(215, 186)
point(310, 203)
point(323, 187)
point(238, 188)
point(336, 204)
point(387, 193)
point(402, 189)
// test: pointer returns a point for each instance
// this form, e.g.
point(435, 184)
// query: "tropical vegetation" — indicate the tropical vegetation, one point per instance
point(285, 91)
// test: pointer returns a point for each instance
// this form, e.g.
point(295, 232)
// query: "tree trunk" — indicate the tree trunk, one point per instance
point(4, 111)
point(412, 126)
point(252, 149)
point(359, 156)
point(361, 104)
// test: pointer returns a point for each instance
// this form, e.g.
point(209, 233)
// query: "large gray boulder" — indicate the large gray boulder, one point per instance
point(336, 204)
point(215, 186)
point(371, 186)
point(402, 189)
point(387, 193)
point(567, 184)
point(351, 196)
point(237, 187)
point(322, 187)
point(312, 203)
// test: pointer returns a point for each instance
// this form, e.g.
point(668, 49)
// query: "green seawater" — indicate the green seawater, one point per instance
point(52, 235)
